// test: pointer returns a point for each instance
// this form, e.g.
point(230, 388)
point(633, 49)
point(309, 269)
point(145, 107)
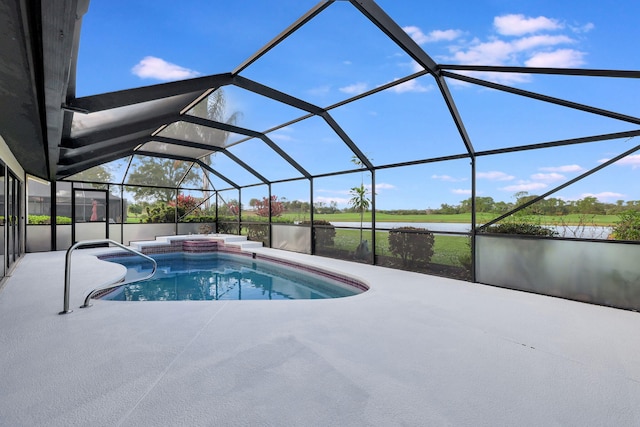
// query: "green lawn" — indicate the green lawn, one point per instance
point(447, 250)
point(481, 218)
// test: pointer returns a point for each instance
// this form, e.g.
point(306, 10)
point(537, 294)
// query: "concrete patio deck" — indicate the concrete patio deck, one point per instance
point(414, 350)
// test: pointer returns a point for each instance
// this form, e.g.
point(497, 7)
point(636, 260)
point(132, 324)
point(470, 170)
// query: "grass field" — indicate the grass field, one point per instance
point(447, 250)
point(481, 218)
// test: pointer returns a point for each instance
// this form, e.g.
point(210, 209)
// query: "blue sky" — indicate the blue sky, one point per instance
point(340, 54)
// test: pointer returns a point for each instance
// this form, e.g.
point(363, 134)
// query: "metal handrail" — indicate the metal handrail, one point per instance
point(67, 271)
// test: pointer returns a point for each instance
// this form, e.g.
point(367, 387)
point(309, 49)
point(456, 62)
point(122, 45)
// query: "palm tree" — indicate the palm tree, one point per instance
point(359, 195)
point(360, 202)
point(213, 108)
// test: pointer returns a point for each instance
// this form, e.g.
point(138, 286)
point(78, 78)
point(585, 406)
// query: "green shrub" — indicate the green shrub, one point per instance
point(411, 244)
point(39, 219)
point(206, 229)
point(523, 228)
point(227, 227)
point(260, 232)
point(198, 219)
point(324, 232)
point(46, 219)
point(257, 232)
point(63, 220)
point(160, 213)
point(628, 227)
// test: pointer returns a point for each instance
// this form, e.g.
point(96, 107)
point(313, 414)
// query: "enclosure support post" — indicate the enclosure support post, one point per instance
point(312, 240)
point(373, 216)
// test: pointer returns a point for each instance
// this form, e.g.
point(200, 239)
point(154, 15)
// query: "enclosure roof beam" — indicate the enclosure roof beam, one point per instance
point(345, 138)
point(388, 26)
point(216, 173)
point(122, 98)
point(540, 70)
point(183, 143)
point(455, 115)
point(147, 125)
point(212, 148)
point(561, 142)
point(190, 159)
point(274, 94)
point(544, 98)
point(560, 187)
point(219, 125)
point(87, 162)
point(310, 14)
point(123, 148)
point(285, 156)
point(247, 132)
point(245, 166)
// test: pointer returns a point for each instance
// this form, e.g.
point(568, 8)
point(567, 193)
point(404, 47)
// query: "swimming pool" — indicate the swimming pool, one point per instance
point(221, 276)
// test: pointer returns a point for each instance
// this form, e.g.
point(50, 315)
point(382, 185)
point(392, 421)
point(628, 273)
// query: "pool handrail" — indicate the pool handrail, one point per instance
point(67, 271)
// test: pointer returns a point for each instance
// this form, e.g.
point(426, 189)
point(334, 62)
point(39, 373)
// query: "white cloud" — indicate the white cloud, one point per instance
point(548, 177)
point(518, 40)
point(632, 160)
point(354, 89)
point(447, 178)
point(385, 186)
point(583, 28)
point(412, 65)
point(499, 52)
point(518, 24)
point(282, 134)
point(379, 186)
point(502, 78)
point(461, 191)
point(492, 52)
point(525, 186)
point(319, 91)
point(561, 58)
point(564, 168)
point(151, 67)
point(434, 36)
point(416, 34)
point(534, 42)
point(411, 86)
point(494, 176)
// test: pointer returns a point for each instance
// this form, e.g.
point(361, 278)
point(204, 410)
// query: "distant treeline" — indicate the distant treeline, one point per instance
point(550, 206)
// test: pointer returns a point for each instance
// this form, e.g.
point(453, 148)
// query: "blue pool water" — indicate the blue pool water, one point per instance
point(219, 276)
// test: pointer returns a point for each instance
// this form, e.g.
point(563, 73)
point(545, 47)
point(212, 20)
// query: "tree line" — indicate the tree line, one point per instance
point(549, 206)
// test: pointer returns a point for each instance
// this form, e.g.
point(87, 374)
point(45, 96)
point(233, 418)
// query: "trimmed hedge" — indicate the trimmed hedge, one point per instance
point(522, 228)
point(46, 219)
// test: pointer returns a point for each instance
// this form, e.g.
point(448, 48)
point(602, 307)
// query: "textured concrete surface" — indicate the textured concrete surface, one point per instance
point(414, 350)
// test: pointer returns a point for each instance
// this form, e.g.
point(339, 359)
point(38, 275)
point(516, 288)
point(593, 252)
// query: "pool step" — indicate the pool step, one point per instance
point(195, 243)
